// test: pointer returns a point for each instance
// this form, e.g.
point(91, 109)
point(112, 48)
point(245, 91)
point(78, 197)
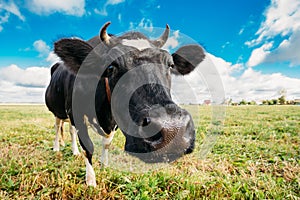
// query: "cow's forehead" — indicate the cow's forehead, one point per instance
point(137, 40)
point(139, 43)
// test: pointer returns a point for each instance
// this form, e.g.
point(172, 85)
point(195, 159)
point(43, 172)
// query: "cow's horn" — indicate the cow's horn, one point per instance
point(161, 41)
point(104, 37)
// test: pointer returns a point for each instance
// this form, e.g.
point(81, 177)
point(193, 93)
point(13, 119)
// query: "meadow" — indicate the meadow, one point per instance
point(255, 156)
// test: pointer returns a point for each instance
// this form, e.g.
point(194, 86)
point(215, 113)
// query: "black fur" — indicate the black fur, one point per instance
point(72, 52)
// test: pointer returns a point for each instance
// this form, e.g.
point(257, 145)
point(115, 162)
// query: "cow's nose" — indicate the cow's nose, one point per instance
point(146, 121)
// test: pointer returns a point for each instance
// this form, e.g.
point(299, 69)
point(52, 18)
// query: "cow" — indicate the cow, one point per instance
point(56, 97)
point(155, 128)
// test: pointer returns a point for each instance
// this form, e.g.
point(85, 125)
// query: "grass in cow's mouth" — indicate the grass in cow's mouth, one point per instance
point(257, 155)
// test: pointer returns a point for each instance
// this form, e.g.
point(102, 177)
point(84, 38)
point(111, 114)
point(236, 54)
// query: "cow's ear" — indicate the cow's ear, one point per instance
point(186, 58)
point(72, 52)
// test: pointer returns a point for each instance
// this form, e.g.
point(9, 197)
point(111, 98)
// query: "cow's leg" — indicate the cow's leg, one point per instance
point(90, 176)
point(58, 124)
point(73, 133)
point(88, 147)
point(62, 138)
point(106, 141)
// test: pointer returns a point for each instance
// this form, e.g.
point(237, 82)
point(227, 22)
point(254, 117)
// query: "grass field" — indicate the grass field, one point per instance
point(256, 156)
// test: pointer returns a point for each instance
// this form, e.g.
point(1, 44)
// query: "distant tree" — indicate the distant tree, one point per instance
point(243, 102)
point(275, 101)
point(252, 103)
point(282, 100)
point(230, 101)
point(265, 102)
point(270, 102)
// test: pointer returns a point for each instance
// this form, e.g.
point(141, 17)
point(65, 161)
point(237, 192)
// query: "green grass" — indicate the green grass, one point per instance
point(256, 156)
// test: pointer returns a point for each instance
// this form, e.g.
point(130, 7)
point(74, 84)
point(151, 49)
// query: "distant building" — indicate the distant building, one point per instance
point(297, 101)
point(259, 102)
point(207, 102)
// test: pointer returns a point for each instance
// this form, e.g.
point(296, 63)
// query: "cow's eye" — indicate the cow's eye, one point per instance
point(110, 67)
point(109, 70)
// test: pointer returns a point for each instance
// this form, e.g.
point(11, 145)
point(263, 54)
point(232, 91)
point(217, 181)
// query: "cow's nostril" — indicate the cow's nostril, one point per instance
point(171, 108)
point(146, 121)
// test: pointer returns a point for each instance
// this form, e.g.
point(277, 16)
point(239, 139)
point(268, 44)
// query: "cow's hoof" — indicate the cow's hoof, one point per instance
point(90, 174)
point(91, 182)
point(76, 152)
point(55, 148)
point(103, 162)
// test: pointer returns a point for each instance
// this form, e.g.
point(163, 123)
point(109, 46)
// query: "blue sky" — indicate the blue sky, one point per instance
point(252, 43)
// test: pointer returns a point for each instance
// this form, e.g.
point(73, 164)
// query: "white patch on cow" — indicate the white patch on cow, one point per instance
point(86, 120)
point(56, 144)
point(138, 43)
point(90, 177)
point(95, 120)
point(73, 133)
point(88, 124)
point(59, 138)
point(105, 146)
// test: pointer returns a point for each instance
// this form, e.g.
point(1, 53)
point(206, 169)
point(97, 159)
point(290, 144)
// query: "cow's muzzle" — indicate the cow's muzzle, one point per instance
point(165, 134)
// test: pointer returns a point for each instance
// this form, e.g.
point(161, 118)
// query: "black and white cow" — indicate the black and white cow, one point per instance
point(55, 101)
point(150, 107)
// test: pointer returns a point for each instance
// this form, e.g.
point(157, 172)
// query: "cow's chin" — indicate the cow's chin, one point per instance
point(157, 151)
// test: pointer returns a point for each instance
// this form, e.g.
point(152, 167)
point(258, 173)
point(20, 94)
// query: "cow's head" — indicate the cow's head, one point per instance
point(156, 129)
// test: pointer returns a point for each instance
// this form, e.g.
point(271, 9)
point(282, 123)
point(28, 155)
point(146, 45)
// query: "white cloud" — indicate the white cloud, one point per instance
point(10, 93)
point(12, 8)
point(52, 58)
point(47, 7)
point(225, 45)
point(241, 31)
point(224, 68)
point(31, 77)
point(44, 51)
point(120, 17)
point(259, 55)
point(146, 24)
point(131, 25)
point(256, 85)
point(28, 85)
point(114, 2)
point(172, 41)
point(207, 81)
point(3, 20)
point(282, 18)
point(100, 12)
point(9, 8)
point(23, 85)
point(288, 50)
point(41, 47)
point(250, 85)
point(103, 10)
